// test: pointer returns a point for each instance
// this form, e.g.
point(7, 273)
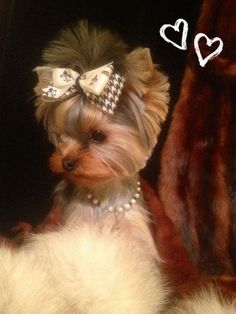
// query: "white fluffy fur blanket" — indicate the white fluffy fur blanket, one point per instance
point(84, 270)
point(79, 270)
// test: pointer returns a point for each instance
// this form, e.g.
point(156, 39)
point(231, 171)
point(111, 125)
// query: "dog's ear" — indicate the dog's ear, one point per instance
point(140, 68)
point(140, 59)
point(147, 91)
point(148, 58)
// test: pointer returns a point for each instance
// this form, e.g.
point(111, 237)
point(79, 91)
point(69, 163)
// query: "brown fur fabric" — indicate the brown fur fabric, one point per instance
point(182, 274)
point(197, 183)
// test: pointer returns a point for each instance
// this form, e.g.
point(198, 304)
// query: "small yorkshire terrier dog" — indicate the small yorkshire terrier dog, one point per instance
point(102, 107)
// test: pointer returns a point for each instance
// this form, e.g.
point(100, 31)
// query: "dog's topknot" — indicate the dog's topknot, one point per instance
point(142, 106)
point(83, 47)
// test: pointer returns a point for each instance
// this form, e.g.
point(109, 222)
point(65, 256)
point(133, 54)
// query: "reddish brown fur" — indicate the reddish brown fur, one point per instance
point(197, 170)
point(181, 273)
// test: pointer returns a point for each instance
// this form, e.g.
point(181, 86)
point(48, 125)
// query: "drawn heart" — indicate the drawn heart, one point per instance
point(209, 42)
point(176, 29)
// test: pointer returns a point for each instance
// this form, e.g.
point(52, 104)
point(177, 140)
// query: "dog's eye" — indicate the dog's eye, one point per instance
point(97, 136)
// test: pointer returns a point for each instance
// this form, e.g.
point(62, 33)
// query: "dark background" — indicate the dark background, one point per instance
point(26, 26)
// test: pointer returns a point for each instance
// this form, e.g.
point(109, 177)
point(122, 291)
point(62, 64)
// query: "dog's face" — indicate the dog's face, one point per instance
point(93, 147)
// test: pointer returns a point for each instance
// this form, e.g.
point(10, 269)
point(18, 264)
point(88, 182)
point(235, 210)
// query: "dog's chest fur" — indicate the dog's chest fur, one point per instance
point(134, 222)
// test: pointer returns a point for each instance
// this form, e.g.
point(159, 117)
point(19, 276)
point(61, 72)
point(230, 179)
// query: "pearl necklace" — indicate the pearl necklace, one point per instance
point(118, 210)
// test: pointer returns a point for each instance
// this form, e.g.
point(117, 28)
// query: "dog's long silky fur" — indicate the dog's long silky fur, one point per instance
point(98, 262)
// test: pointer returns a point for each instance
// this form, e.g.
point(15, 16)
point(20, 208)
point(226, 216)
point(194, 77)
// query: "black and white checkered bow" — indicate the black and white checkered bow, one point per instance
point(101, 86)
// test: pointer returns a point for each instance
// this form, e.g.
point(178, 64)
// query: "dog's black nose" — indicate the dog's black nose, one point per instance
point(69, 164)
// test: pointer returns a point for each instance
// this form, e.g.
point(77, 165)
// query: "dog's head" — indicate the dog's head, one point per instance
point(96, 144)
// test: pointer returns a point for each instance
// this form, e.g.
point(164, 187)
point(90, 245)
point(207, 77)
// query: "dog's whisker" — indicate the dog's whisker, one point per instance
point(33, 97)
point(114, 172)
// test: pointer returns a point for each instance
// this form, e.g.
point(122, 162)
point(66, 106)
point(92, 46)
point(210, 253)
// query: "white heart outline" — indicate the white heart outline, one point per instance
point(176, 28)
point(209, 42)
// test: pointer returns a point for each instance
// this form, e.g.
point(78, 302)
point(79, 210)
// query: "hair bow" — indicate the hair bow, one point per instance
point(101, 86)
